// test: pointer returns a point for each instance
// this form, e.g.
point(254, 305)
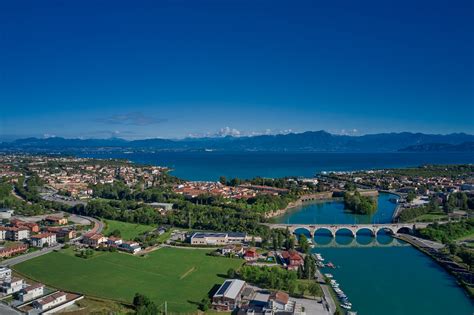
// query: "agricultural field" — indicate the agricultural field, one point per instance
point(127, 230)
point(182, 277)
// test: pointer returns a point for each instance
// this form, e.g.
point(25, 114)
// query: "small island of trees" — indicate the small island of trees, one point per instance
point(360, 204)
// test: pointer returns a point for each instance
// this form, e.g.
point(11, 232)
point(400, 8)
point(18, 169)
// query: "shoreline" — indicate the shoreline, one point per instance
point(297, 203)
point(328, 196)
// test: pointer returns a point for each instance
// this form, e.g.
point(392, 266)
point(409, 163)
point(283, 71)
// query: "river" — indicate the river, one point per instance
point(390, 280)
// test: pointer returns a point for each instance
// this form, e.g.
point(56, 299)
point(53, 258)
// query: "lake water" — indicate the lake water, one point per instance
point(396, 280)
point(211, 165)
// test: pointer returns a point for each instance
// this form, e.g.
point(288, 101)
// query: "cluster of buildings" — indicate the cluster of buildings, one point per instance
point(194, 189)
point(76, 176)
point(17, 235)
point(96, 240)
point(33, 298)
point(390, 180)
point(239, 297)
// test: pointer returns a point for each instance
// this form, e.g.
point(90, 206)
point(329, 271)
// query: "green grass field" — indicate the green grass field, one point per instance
point(182, 277)
point(128, 230)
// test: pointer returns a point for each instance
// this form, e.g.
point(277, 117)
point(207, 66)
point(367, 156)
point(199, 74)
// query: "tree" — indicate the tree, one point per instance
point(302, 287)
point(313, 289)
point(223, 180)
point(231, 273)
point(411, 196)
point(303, 243)
point(205, 304)
point(308, 267)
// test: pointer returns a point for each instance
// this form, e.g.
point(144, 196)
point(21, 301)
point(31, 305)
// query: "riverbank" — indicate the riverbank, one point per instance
point(298, 203)
point(309, 198)
point(432, 249)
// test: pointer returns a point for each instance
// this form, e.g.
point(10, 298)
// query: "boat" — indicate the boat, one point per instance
point(328, 275)
point(330, 265)
point(347, 307)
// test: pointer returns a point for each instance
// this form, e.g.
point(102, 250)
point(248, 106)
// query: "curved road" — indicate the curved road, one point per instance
point(98, 227)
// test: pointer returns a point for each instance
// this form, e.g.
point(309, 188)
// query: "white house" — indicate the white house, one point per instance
point(50, 301)
point(12, 285)
point(39, 240)
point(32, 292)
point(131, 247)
point(5, 273)
point(280, 302)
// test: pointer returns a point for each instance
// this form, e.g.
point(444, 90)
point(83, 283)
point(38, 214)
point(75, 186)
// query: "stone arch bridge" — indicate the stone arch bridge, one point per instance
point(393, 228)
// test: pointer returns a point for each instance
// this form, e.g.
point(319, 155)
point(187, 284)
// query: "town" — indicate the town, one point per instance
point(90, 214)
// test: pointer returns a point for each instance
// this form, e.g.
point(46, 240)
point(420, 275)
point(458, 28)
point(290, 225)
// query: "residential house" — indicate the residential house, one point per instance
point(280, 302)
point(50, 301)
point(5, 273)
point(17, 234)
point(32, 226)
point(114, 241)
point(3, 233)
point(251, 255)
point(228, 296)
point(32, 292)
point(131, 247)
point(234, 249)
point(13, 250)
point(62, 232)
point(12, 285)
point(94, 239)
point(292, 259)
point(56, 220)
point(43, 239)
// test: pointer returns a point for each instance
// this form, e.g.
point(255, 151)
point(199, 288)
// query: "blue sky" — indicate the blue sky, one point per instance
point(177, 68)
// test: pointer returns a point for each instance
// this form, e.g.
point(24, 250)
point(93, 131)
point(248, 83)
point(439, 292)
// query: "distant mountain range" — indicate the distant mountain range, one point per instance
point(311, 141)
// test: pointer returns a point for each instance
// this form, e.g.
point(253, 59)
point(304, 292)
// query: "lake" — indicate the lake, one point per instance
point(211, 165)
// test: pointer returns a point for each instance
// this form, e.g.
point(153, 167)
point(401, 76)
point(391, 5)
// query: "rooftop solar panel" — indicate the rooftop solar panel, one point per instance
point(223, 288)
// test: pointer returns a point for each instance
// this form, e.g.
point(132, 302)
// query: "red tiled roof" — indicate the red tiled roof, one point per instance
point(280, 297)
point(42, 235)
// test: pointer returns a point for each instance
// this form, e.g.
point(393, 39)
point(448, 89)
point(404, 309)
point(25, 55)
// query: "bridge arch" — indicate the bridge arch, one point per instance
point(366, 230)
point(298, 230)
point(324, 229)
point(405, 230)
point(344, 230)
point(385, 229)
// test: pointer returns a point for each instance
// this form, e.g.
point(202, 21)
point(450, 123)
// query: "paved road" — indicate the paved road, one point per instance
point(98, 225)
point(7, 310)
point(422, 242)
point(25, 257)
point(327, 294)
point(328, 298)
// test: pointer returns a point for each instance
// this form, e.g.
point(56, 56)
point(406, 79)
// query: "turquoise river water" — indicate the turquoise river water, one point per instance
point(390, 280)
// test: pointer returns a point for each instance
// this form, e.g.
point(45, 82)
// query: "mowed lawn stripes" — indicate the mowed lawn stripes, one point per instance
point(178, 276)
